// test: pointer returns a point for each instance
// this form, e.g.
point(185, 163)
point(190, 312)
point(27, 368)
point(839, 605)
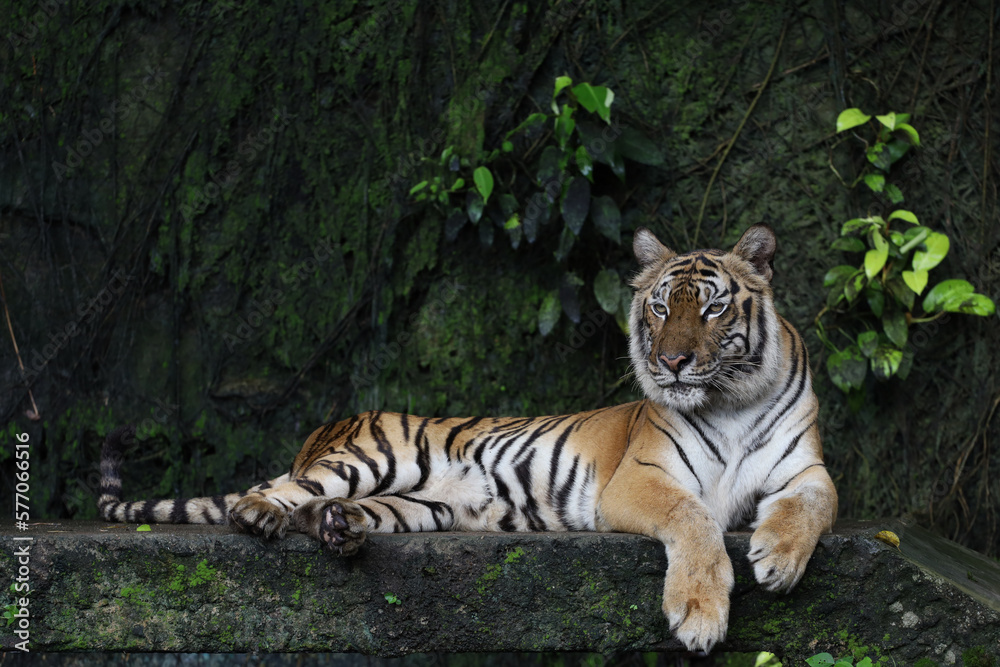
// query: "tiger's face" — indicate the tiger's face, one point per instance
point(701, 321)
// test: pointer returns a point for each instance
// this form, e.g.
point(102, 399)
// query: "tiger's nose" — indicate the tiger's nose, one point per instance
point(675, 362)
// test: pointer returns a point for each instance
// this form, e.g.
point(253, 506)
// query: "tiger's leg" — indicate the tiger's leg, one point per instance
point(342, 524)
point(369, 454)
point(790, 522)
point(642, 497)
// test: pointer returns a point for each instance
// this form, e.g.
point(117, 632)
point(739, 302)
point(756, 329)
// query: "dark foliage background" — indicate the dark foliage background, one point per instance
point(205, 225)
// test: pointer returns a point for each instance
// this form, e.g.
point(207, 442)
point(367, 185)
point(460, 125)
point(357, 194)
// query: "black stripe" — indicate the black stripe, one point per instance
point(220, 503)
point(385, 448)
point(423, 445)
point(179, 513)
point(563, 496)
point(434, 507)
point(794, 443)
point(554, 462)
point(789, 480)
point(683, 455)
point(401, 524)
point(405, 420)
point(507, 522)
point(373, 515)
point(311, 486)
point(708, 442)
point(364, 458)
point(455, 430)
point(530, 510)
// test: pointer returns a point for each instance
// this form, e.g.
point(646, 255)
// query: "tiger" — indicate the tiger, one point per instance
point(726, 436)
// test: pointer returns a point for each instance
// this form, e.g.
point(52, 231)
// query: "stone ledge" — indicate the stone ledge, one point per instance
point(106, 587)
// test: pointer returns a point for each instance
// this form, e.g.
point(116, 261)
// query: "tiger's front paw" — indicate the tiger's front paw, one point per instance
point(779, 561)
point(696, 603)
point(254, 514)
point(336, 522)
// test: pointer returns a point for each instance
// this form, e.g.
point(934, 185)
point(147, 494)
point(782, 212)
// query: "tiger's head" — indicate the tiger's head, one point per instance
point(703, 328)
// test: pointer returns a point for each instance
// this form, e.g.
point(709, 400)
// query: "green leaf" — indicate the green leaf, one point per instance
point(877, 240)
point(957, 296)
point(847, 369)
point(607, 289)
point(903, 294)
point(878, 155)
point(454, 223)
point(548, 314)
point(607, 217)
point(584, 162)
point(875, 259)
point(857, 225)
point(936, 247)
point(868, 343)
point(513, 222)
point(484, 182)
point(894, 194)
point(885, 361)
point(894, 324)
point(636, 146)
point(915, 280)
point(548, 165)
point(562, 82)
point(534, 119)
point(474, 206)
point(838, 275)
point(566, 240)
point(508, 205)
point(875, 181)
point(876, 297)
point(564, 126)
point(595, 99)
point(903, 215)
point(418, 187)
point(848, 244)
point(854, 285)
point(820, 660)
point(849, 118)
point(576, 204)
point(458, 185)
point(507, 146)
point(889, 120)
point(910, 131)
point(144, 528)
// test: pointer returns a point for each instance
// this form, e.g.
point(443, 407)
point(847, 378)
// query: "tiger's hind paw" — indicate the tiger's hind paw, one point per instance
point(336, 522)
point(254, 514)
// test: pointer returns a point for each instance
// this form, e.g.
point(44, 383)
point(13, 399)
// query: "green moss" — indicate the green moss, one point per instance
point(979, 656)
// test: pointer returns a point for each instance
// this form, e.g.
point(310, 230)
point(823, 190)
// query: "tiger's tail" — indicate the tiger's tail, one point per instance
point(209, 510)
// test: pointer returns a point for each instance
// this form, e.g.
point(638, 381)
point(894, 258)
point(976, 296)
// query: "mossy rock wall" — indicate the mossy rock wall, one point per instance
point(100, 587)
point(207, 229)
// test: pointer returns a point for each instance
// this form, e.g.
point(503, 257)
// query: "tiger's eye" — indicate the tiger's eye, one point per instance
point(715, 308)
point(659, 309)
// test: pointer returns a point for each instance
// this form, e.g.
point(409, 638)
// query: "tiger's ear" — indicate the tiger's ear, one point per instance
point(648, 249)
point(757, 246)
